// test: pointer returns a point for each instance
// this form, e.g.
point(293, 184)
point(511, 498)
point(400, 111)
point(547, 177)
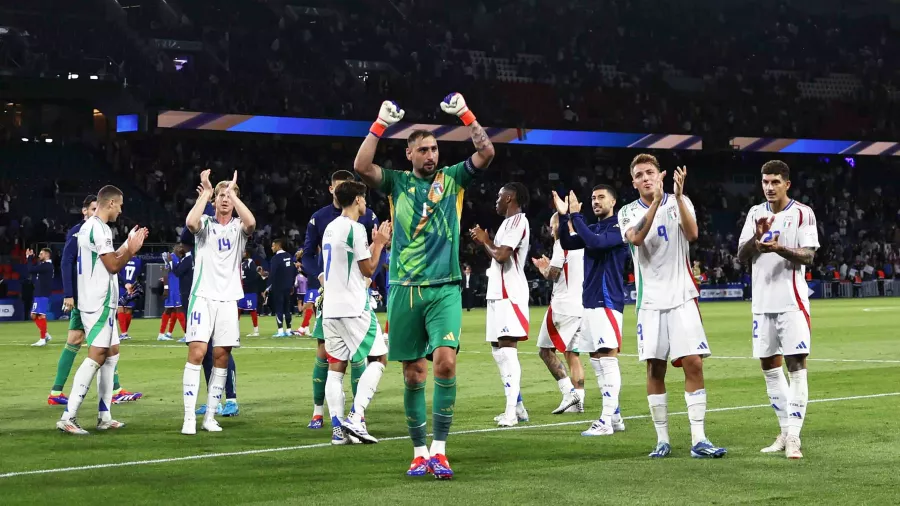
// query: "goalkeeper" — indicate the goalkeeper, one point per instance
point(425, 299)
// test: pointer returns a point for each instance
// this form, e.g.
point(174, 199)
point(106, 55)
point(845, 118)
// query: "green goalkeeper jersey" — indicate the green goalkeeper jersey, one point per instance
point(425, 214)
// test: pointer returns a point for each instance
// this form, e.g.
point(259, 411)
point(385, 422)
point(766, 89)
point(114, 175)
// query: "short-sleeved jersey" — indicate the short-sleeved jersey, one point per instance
point(779, 285)
point(97, 287)
point(507, 280)
point(662, 270)
point(131, 273)
point(425, 214)
point(567, 289)
point(218, 250)
point(172, 278)
point(344, 245)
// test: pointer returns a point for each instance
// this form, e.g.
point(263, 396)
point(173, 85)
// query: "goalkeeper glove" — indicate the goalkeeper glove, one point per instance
point(454, 103)
point(389, 114)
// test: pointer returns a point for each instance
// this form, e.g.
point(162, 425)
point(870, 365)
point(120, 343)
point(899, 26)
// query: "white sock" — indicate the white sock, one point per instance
point(334, 394)
point(797, 406)
point(565, 385)
point(513, 379)
point(256, 330)
point(191, 389)
point(580, 392)
point(105, 387)
point(81, 384)
point(500, 360)
point(368, 384)
point(216, 388)
point(421, 451)
point(659, 412)
point(318, 410)
point(437, 447)
point(597, 366)
point(612, 383)
point(777, 389)
point(696, 408)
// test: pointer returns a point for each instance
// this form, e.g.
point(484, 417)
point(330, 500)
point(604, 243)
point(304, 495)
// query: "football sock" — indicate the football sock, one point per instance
point(288, 314)
point(64, 367)
point(438, 447)
point(443, 402)
point(612, 384)
point(163, 323)
point(696, 408)
point(414, 405)
point(84, 376)
point(306, 317)
point(513, 379)
point(500, 360)
point(318, 410)
point(123, 323)
point(41, 323)
point(116, 385)
point(519, 403)
point(580, 392)
point(797, 406)
point(279, 320)
point(368, 384)
point(356, 371)
point(334, 394)
point(565, 385)
point(231, 380)
point(659, 412)
point(421, 451)
point(216, 388)
point(172, 321)
point(181, 319)
point(777, 389)
point(319, 377)
point(254, 316)
point(191, 389)
point(105, 386)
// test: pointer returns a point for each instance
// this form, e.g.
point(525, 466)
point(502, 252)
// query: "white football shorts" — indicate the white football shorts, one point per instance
point(353, 338)
point(601, 328)
point(101, 328)
point(671, 333)
point(559, 331)
point(213, 321)
point(506, 318)
point(785, 333)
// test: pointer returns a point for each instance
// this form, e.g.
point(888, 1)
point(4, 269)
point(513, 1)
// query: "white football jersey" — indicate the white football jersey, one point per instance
point(779, 285)
point(97, 287)
point(566, 298)
point(218, 252)
point(507, 280)
point(344, 245)
point(662, 272)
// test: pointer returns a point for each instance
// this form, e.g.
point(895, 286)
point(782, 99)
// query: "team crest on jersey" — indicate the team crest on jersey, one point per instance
point(673, 213)
point(788, 221)
point(438, 188)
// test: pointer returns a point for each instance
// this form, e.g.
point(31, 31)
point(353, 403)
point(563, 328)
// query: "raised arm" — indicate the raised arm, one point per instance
point(380, 238)
point(370, 173)
point(115, 260)
point(610, 238)
point(248, 221)
point(455, 104)
point(567, 240)
point(204, 195)
point(685, 208)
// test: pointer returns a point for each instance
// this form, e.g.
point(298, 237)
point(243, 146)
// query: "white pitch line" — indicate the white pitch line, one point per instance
point(396, 438)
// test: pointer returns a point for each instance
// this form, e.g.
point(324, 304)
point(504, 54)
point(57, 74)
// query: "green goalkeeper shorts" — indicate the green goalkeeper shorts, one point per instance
point(75, 320)
point(422, 319)
point(318, 332)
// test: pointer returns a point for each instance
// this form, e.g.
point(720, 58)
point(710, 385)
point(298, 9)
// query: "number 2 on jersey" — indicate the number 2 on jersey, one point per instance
point(327, 249)
point(755, 327)
point(771, 235)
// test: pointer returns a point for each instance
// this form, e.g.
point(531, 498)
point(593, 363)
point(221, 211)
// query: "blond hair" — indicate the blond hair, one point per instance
point(644, 158)
point(221, 185)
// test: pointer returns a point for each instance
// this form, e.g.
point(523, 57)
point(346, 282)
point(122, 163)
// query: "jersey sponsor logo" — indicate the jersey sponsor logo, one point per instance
point(796, 414)
point(504, 329)
point(703, 346)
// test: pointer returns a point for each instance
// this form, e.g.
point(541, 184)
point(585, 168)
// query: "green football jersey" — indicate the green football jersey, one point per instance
point(425, 214)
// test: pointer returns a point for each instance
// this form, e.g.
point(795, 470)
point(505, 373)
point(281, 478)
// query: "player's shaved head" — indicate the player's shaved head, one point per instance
point(347, 193)
point(776, 168)
point(341, 175)
point(107, 194)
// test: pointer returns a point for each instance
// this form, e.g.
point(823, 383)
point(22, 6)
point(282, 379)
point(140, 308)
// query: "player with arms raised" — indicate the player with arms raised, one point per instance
point(215, 290)
point(659, 227)
point(425, 300)
point(780, 239)
point(507, 294)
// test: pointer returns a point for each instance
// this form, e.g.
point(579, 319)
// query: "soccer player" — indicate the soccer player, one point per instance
point(174, 310)
point(507, 294)
point(184, 272)
point(213, 312)
point(250, 280)
point(98, 289)
point(130, 275)
point(311, 261)
point(75, 338)
point(561, 326)
point(603, 296)
point(281, 280)
point(659, 227)
point(351, 328)
point(300, 283)
point(780, 239)
point(42, 277)
point(425, 305)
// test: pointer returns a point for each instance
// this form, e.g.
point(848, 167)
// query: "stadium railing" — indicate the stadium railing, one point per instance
point(873, 288)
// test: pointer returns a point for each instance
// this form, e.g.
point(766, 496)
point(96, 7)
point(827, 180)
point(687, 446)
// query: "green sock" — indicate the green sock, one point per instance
point(443, 406)
point(64, 367)
point(356, 371)
point(320, 375)
point(116, 385)
point(414, 403)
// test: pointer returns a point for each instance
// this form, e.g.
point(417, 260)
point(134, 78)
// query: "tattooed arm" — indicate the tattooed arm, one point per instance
point(803, 256)
point(484, 148)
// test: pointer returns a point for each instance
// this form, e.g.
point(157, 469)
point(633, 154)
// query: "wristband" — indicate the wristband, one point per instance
point(468, 118)
point(377, 129)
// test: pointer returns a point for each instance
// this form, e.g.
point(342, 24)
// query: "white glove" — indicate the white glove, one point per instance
point(455, 104)
point(389, 114)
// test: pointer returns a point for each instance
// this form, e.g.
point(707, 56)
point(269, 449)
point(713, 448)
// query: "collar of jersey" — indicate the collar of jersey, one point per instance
point(645, 206)
point(769, 207)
